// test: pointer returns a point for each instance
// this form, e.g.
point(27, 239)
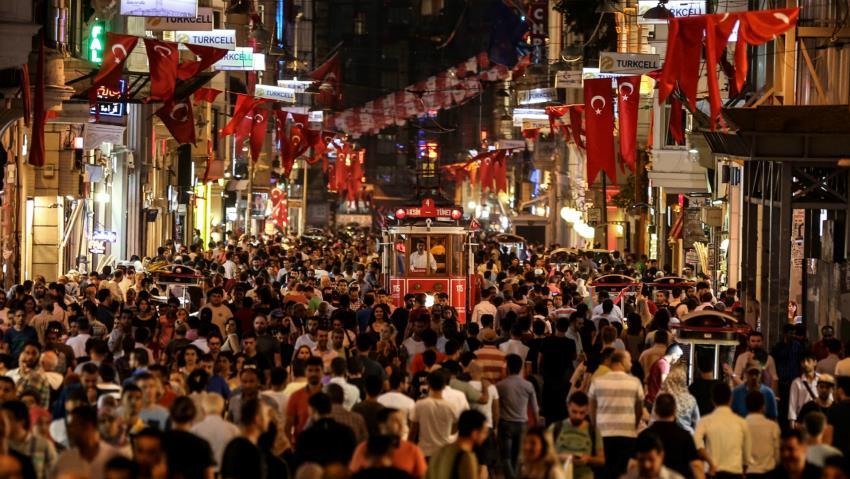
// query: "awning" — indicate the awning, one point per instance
point(680, 182)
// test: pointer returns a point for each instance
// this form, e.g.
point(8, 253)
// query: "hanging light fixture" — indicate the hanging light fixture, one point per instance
point(659, 12)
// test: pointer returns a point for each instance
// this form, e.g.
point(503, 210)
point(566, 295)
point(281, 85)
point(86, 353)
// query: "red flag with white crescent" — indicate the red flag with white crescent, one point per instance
point(205, 94)
point(118, 49)
point(259, 124)
point(177, 117)
point(244, 105)
point(163, 58)
point(599, 121)
point(206, 57)
point(628, 100)
point(576, 127)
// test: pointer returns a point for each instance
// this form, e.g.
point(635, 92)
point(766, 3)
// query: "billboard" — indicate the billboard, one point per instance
point(225, 39)
point(159, 8)
point(203, 21)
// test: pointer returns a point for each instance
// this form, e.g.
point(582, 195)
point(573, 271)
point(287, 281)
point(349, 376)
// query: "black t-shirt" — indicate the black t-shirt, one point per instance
point(27, 469)
point(267, 346)
point(313, 443)
point(558, 355)
point(534, 345)
point(811, 406)
point(839, 417)
point(809, 472)
point(679, 447)
point(242, 459)
point(399, 320)
point(260, 362)
point(188, 455)
point(701, 390)
point(381, 473)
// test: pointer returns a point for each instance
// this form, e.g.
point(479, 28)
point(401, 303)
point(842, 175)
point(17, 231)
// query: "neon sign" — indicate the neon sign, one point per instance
point(96, 42)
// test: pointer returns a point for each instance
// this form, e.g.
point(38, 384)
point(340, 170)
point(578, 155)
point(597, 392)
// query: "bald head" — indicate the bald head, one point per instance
point(49, 361)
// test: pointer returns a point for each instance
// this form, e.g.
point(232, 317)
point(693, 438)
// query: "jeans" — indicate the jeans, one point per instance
point(511, 435)
point(618, 451)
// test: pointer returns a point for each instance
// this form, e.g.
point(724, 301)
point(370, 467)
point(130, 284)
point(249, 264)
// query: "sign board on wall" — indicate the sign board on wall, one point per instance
point(628, 63)
point(202, 22)
point(680, 8)
point(275, 93)
point(159, 8)
point(536, 95)
point(225, 39)
point(568, 79)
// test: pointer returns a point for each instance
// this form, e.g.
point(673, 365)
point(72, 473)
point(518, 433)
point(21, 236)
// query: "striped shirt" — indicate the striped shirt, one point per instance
point(616, 394)
point(492, 362)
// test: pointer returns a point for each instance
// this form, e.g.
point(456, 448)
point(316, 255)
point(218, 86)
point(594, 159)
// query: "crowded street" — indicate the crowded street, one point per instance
point(430, 239)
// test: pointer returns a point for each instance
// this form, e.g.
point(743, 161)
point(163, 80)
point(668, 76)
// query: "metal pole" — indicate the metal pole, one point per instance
point(302, 220)
point(604, 211)
point(250, 199)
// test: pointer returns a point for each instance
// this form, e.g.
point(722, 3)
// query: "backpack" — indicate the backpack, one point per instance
point(556, 431)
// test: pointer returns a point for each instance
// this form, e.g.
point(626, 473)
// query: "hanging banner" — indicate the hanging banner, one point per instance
point(568, 79)
point(536, 95)
point(225, 39)
point(202, 22)
point(241, 59)
point(275, 93)
point(95, 134)
point(679, 9)
point(538, 19)
point(159, 8)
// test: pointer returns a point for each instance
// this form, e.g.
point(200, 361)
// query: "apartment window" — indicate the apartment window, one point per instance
point(430, 7)
point(360, 23)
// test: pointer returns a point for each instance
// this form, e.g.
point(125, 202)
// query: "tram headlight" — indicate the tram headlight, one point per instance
point(456, 214)
point(400, 213)
point(429, 300)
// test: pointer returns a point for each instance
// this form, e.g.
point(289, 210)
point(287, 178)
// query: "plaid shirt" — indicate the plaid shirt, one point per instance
point(40, 451)
point(36, 381)
point(352, 420)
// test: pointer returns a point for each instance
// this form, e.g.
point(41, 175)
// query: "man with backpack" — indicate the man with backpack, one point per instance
point(576, 436)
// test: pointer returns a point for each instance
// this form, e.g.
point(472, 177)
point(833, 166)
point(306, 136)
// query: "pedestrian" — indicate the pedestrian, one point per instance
point(516, 398)
point(405, 456)
point(680, 451)
point(312, 445)
point(793, 463)
point(457, 460)
point(433, 418)
point(616, 405)
point(576, 439)
point(649, 458)
point(723, 438)
point(818, 452)
point(764, 437)
point(539, 459)
point(754, 383)
point(88, 454)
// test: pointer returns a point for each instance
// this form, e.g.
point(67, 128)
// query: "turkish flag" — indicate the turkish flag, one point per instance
point(683, 58)
point(500, 171)
point(554, 113)
point(328, 79)
point(576, 124)
point(162, 60)
point(486, 171)
point(756, 28)
point(355, 176)
point(718, 28)
point(244, 105)
point(205, 94)
point(178, 118)
point(676, 119)
point(118, 49)
point(599, 105)
point(206, 57)
point(259, 123)
point(628, 100)
point(298, 140)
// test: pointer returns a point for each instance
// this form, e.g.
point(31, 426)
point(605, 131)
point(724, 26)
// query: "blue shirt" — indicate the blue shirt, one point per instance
point(739, 401)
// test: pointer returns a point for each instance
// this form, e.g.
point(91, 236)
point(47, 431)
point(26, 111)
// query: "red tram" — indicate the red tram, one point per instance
point(429, 251)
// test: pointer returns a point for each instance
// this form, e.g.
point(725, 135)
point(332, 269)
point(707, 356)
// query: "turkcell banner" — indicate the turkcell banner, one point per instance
point(202, 22)
point(225, 39)
point(241, 59)
point(159, 8)
point(275, 93)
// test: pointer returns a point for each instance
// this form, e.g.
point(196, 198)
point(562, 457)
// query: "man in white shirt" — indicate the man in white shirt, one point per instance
point(433, 418)
point(755, 341)
point(803, 388)
point(396, 398)
point(484, 307)
point(351, 394)
point(722, 437)
point(515, 345)
point(213, 428)
point(89, 454)
point(220, 312)
point(764, 434)
point(78, 342)
point(229, 266)
point(616, 313)
point(421, 259)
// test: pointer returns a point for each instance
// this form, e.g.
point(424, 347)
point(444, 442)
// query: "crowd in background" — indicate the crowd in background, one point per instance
point(288, 358)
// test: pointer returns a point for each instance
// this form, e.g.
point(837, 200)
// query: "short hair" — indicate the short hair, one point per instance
point(514, 363)
point(278, 376)
point(335, 393)
point(814, 423)
point(338, 366)
point(665, 405)
point(661, 337)
point(90, 368)
point(579, 398)
point(792, 434)
point(843, 383)
point(320, 402)
point(373, 384)
point(86, 414)
point(754, 401)
point(384, 414)
point(121, 463)
point(212, 404)
point(721, 394)
point(648, 441)
point(436, 381)
point(396, 379)
point(19, 411)
point(379, 445)
point(619, 356)
point(315, 361)
point(183, 410)
point(470, 421)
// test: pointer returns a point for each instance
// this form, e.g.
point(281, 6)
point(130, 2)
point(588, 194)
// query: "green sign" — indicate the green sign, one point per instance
point(96, 42)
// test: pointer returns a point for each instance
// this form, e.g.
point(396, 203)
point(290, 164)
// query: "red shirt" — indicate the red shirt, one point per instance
point(657, 372)
point(418, 363)
point(299, 409)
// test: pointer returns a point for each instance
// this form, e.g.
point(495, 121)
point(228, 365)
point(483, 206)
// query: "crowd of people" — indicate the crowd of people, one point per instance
point(289, 359)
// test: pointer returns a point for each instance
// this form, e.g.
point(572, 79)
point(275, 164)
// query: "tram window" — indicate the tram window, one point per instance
point(458, 264)
point(421, 260)
point(399, 253)
point(439, 250)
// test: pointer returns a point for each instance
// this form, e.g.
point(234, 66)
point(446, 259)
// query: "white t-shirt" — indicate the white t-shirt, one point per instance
point(486, 409)
point(397, 400)
point(78, 344)
point(71, 463)
point(435, 418)
point(220, 315)
point(412, 346)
